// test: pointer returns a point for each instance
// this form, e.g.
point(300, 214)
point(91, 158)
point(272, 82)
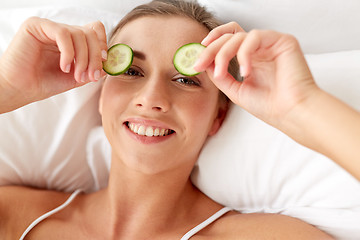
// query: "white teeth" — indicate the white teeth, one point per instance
point(141, 130)
point(156, 132)
point(148, 131)
point(162, 132)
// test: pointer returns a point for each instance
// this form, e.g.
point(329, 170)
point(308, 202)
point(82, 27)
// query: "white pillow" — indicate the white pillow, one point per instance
point(252, 167)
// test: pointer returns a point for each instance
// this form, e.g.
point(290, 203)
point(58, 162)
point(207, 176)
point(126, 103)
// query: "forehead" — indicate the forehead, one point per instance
point(162, 34)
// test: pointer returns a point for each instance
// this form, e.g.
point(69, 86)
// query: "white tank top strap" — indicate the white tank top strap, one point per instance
point(48, 214)
point(187, 236)
point(206, 223)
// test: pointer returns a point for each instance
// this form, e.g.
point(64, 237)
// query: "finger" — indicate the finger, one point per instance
point(231, 27)
point(95, 59)
point(226, 53)
point(81, 54)
point(257, 41)
point(50, 33)
point(66, 48)
point(99, 29)
point(227, 84)
point(208, 55)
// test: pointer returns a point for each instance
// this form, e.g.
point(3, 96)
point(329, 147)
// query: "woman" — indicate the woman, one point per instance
point(149, 195)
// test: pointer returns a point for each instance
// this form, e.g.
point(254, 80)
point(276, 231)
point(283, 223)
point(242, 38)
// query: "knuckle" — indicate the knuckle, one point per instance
point(97, 28)
point(64, 32)
point(255, 32)
point(239, 35)
point(290, 38)
point(90, 32)
point(78, 33)
point(32, 20)
point(214, 31)
point(234, 27)
point(98, 25)
point(233, 24)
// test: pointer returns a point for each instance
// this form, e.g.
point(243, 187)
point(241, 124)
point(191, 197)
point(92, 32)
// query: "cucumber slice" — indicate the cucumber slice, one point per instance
point(185, 58)
point(119, 60)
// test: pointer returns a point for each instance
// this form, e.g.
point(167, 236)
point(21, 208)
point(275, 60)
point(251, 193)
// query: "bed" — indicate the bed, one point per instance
point(58, 143)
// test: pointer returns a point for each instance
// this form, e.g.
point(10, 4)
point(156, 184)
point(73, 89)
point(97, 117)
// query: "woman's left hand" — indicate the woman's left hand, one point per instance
point(276, 76)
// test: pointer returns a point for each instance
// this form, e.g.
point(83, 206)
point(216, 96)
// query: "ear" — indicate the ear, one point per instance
point(219, 119)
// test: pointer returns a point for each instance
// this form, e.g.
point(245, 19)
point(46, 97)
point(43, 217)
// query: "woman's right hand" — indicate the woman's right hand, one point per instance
point(47, 58)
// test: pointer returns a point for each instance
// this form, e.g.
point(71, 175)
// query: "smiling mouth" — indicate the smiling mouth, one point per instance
point(148, 131)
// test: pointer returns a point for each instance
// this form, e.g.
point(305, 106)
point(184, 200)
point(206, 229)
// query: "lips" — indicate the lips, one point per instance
point(148, 131)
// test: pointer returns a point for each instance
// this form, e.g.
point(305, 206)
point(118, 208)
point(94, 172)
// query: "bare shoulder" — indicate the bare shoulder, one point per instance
point(19, 206)
point(264, 226)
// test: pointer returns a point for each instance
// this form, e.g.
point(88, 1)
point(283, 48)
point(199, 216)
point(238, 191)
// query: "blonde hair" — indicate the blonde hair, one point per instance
point(185, 8)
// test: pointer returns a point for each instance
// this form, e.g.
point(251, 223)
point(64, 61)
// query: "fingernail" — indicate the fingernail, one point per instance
point(104, 54)
point(216, 72)
point(242, 72)
point(97, 75)
point(83, 77)
point(67, 68)
point(203, 42)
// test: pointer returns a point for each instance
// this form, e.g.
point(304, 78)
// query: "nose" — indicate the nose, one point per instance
point(153, 95)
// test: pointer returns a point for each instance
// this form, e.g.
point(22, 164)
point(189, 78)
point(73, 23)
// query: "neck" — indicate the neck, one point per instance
point(147, 203)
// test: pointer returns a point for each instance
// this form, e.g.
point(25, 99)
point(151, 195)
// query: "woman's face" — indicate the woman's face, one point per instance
point(154, 117)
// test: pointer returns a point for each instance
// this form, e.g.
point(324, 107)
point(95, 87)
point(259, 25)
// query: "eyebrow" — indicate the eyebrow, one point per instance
point(139, 55)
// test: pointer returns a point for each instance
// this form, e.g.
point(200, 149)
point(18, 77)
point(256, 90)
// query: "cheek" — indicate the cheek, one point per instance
point(113, 102)
point(201, 110)
point(114, 97)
